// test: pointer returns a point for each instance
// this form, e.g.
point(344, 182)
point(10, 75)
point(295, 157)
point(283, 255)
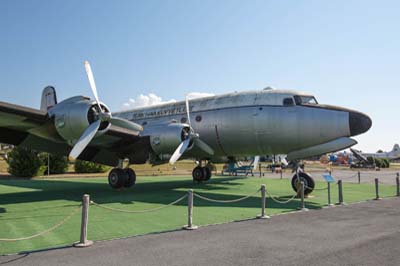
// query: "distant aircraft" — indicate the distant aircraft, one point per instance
point(212, 129)
point(394, 154)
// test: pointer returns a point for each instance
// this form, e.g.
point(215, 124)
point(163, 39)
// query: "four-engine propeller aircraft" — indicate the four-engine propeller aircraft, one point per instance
point(212, 129)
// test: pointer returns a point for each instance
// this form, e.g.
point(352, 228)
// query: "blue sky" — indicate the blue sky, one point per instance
point(346, 53)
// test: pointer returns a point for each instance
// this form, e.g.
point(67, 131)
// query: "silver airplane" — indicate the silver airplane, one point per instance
point(213, 129)
point(394, 154)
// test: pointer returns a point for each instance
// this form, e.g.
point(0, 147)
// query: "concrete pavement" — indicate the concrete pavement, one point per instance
point(359, 234)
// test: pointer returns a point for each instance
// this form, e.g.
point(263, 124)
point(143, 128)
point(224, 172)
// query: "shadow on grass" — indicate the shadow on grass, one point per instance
point(159, 192)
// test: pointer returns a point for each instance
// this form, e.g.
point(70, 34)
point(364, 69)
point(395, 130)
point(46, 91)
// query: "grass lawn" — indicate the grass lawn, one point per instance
point(31, 206)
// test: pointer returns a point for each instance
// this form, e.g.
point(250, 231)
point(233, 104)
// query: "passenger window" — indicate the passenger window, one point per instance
point(288, 102)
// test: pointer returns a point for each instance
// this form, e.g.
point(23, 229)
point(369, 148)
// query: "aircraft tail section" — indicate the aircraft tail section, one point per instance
point(49, 98)
point(396, 148)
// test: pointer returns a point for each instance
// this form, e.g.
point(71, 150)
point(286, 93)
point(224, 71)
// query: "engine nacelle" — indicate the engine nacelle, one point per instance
point(164, 139)
point(73, 116)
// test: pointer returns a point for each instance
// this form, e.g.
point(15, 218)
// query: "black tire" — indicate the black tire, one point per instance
point(308, 182)
point(198, 174)
point(207, 173)
point(130, 177)
point(116, 178)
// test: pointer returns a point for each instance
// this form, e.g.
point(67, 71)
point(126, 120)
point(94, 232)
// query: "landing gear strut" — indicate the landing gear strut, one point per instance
point(119, 178)
point(201, 173)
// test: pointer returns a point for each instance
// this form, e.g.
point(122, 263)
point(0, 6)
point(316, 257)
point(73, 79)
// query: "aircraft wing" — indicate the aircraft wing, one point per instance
point(33, 128)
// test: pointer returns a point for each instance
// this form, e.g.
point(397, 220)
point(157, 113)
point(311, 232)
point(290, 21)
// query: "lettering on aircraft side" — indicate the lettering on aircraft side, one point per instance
point(162, 112)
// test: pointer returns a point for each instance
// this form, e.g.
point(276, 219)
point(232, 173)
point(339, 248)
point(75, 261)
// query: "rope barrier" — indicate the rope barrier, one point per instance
point(280, 201)
point(63, 221)
point(139, 211)
point(226, 201)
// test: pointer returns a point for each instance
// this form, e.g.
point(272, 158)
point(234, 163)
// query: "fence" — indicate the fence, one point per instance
point(86, 202)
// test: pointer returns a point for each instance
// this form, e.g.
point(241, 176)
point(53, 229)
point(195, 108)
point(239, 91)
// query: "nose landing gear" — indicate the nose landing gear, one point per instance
point(119, 178)
point(309, 183)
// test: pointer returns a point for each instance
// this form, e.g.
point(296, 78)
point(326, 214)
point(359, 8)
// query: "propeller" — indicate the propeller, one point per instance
point(255, 162)
point(190, 136)
point(103, 116)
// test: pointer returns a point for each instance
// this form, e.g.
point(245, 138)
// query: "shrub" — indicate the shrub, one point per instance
point(23, 162)
point(58, 163)
point(386, 162)
point(89, 167)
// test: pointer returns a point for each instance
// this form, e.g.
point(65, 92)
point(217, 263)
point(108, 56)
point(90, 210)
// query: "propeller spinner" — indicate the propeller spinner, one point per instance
point(103, 116)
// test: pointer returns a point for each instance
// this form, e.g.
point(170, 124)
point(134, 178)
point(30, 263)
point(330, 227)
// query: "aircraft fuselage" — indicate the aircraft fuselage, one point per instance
point(256, 122)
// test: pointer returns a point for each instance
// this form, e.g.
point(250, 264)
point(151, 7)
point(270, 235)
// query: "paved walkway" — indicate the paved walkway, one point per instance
point(359, 234)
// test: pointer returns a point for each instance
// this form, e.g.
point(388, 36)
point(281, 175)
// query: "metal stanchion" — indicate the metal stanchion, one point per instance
point(281, 173)
point(190, 225)
point(259, 167)
point(263, 204)
point(377, 189)
point(340, 188)
point(359, 177)
point(84, 242)
point(397, 185)
point(303, 207)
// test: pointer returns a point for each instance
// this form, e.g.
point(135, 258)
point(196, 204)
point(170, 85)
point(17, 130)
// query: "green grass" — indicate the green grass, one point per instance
point(30, 206)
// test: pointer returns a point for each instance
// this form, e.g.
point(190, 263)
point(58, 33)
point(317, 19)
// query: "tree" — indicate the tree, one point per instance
point(58, 163)
point(23, 162)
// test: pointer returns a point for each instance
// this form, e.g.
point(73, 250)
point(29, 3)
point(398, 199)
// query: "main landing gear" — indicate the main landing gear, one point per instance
point(119, 178)
point(201, 173)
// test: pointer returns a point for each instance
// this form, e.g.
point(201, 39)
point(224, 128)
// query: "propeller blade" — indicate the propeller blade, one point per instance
point(284, 161)
point(255, 162)
point(89, 74)
point(85, 139)
point(204, 146)
point(187, 111)
point(179, 151)
point(119, 122)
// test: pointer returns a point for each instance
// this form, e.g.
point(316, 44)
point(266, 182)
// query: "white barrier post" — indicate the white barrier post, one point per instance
point(263, 203)
point(377, 189)
point(303, 207)
point(190, 225)
point(84, 242)
point(329, 194)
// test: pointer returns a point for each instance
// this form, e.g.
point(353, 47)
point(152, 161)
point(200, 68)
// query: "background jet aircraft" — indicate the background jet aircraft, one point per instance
point(394, 154)
point(213, 129)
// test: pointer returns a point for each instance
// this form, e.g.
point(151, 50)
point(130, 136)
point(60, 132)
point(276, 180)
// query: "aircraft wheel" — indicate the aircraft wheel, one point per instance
point(130, 177)
point(198, 174)
point(308, 182)
point(207, 173)
point(116, 178)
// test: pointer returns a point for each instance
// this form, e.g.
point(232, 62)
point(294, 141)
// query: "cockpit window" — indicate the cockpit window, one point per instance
point(288, 102)
point(305, 100)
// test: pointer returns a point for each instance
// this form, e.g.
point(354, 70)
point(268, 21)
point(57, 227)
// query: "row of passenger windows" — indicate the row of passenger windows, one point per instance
point(286, 102)
point(183, 120)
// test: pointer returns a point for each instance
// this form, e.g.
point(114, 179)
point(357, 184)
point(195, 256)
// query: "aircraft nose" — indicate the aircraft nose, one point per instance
point(359, 123)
